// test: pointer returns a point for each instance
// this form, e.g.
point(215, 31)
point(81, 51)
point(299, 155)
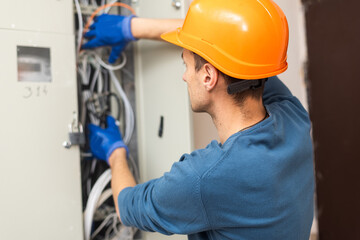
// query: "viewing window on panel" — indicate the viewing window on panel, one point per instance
point(33, 64)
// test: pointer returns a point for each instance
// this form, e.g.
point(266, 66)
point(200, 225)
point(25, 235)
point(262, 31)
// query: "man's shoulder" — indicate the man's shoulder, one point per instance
point(289, 110)
point(201, 160)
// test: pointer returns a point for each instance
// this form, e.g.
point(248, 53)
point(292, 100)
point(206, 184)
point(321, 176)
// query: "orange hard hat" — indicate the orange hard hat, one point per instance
point(245, 39)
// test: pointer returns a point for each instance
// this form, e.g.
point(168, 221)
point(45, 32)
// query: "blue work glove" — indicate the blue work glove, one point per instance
point(110, 30)
point(104, 141)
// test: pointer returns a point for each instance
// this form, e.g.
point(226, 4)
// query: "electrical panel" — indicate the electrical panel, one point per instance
point(39, 179)
point(147, 81)
point(42, 177)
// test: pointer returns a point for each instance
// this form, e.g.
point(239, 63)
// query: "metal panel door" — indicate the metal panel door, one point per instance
point(160, 92)
point(39, 178)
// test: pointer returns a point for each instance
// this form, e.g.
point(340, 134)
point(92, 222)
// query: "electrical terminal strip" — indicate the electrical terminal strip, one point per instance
point(86, 9)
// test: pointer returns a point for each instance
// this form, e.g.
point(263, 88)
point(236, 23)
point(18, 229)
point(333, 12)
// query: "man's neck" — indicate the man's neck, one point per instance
point(232, 118)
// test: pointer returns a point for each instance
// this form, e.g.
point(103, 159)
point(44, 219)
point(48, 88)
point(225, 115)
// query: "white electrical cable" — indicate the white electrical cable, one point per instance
point(95, 78)
point(86, 95)
point(97, 195)
point(112, 229)
point(94, 196)
point(111, 67)
point(114, 226)
point(112, 216)
point(104, 196)
point(101, 83)
point(81, 28)
point(124, 233)
point(97, 74)
point(129, 113)
point(83, 69)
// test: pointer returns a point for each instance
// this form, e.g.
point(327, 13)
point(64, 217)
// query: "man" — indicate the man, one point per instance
point(257, 183)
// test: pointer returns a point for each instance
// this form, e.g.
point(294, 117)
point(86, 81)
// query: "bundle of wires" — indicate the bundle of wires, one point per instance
point(95, 76)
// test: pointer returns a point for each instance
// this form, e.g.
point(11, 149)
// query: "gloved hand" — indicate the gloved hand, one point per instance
point(110, 30)
point(104, 141)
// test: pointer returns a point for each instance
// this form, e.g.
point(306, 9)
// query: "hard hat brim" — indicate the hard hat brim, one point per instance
point(173, 37)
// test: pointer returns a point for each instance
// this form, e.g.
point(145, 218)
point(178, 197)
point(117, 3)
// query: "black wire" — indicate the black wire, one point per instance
point(102, 115)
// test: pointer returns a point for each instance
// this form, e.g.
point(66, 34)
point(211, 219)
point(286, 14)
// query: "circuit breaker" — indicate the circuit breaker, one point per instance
point(39, 179)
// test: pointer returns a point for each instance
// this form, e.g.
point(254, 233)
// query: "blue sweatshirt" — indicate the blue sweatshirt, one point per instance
point(258, 185)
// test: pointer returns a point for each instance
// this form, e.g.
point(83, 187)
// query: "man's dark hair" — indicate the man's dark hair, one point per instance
point(239, 97)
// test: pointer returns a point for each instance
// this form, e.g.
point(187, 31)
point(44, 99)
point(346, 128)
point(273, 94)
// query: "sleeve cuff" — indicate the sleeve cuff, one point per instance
point(127, 30)
point(114, 147)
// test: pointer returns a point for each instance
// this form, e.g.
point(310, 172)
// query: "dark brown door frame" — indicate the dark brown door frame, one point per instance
point(333, 77)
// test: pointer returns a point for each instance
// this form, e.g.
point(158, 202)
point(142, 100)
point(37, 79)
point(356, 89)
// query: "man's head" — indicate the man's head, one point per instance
point(244, 39)
point(200, 82)
point(206, 84)
point(238, 97)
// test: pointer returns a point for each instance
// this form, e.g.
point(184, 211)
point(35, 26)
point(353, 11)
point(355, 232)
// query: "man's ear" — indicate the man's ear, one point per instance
point(211, 75)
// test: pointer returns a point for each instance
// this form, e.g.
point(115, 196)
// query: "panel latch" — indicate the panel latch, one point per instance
point(76, 134)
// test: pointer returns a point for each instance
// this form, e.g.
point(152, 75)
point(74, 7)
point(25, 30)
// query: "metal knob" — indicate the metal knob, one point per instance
point(67, 144)
point(176, 4)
